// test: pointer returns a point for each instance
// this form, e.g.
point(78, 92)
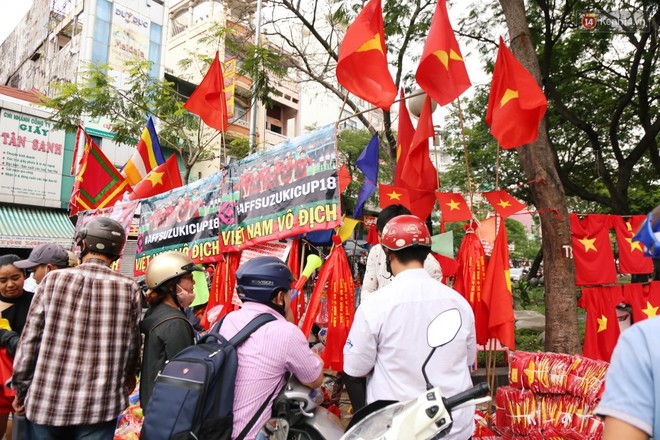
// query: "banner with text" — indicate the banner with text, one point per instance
point(288, 190)
point(184, 219)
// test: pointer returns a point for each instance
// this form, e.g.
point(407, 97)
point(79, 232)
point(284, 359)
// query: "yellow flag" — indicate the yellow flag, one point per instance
point(347, 227)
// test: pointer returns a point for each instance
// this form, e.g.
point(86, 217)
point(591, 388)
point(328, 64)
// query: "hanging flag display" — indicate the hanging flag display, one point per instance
point(469, 281)
point(392, 195)
point(644, 299)
point(147, 156)
point(602, 328)
point(208, 101)
point(516, 103)
point(98, 184)
point(441, 72)
point(344, 178)
point(273, 207)
point(362, 66)
point(631, 252)
point(404, 138)
point(418, 170)
point(592, 251)
point(453, 207)
point(161, 179)
point(497, 294)
point(503, 203)
point(367, 162)
point(221, 293)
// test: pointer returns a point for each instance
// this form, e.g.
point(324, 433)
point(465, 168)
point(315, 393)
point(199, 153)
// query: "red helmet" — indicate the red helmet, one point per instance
point(405, 231)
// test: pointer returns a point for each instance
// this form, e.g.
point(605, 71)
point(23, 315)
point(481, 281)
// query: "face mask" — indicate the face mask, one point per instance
point(184, 297)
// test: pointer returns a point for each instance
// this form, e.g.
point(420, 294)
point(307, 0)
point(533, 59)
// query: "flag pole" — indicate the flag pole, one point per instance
point(465, 151)
point(253, 104)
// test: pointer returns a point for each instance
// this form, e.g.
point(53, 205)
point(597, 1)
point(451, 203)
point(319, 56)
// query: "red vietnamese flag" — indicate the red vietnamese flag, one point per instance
point(441, 72)
point(161, 179)
point(602, 327)
point(393, 195)
point(418, 170)
point(453, 207)
point(362, 67)
point(516, 104)
point(403, 141)
point(372, 235)
point(631, 253)
point(421, 202)
point(208, 100)
point(644, 299)
point(497, 295)
point(592, 251)
point(344, 178)
point(503, 203)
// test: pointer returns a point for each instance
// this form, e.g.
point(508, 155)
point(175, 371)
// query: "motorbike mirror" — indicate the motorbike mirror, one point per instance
point(276, 429)
point(444, 328)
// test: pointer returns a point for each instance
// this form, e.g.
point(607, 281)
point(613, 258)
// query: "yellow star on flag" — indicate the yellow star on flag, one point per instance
point(508, 96)
point(650, 311)
point(371, 44)
point(453, 205)
point(394, 195)
point(588, 243)
point(602, 323)
point(634, 245)
point(444, 57)
point(155, 178)
point(504, 203)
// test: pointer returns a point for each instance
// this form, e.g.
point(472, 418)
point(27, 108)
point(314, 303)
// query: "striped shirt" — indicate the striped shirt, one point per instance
point(263, 359)
point(79, 345)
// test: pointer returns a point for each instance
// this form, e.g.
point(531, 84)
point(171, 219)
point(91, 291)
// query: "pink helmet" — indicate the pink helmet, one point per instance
point(405, 231)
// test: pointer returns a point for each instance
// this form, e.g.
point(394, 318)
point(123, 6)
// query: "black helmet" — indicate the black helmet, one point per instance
point(102, 235)
point(261, 277)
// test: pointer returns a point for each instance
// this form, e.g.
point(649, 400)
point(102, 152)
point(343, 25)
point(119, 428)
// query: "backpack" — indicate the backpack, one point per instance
point(193, 397)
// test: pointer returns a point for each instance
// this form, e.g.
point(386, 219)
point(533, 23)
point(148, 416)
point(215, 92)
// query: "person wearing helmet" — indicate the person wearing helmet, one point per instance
point(166, 328)
point(376, 274)
point(631, 404)
point(78, 355)
point(264, 286)
point(388, 337)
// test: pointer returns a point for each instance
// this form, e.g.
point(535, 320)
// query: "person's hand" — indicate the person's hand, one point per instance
point(18, 406)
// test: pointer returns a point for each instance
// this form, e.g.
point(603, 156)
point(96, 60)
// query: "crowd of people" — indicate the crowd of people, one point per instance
point(80, 339)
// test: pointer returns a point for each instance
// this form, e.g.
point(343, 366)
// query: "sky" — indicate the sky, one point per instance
point(12, 12)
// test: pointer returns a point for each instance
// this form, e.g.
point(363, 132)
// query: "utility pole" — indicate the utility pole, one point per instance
point(253, 104)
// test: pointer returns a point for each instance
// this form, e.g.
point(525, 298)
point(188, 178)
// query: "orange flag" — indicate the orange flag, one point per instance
point(403, 141)
point(441, 72)
point(208, 100)
point(161, 179)
point(418, 171)
point(362, 67)
point(497, 294)
point(503, 203)
point(393, 195)
point(344, 178)
point(453, 207)
point(516, 104)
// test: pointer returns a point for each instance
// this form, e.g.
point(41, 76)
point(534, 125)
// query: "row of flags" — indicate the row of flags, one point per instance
point(99, 184)
point(516, 104)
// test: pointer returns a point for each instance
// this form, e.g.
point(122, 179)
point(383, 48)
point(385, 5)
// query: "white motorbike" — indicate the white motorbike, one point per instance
point(428, 416)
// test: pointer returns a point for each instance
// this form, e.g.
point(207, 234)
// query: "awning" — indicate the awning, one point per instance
point(30, 227)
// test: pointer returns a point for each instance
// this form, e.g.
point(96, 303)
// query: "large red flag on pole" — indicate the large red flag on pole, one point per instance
point(362, 67)
point(418, 171)
point(161, 179)
point(497, 294)
point(208, 100)
point(441, 72)
point(404, 139)
point(516, 103)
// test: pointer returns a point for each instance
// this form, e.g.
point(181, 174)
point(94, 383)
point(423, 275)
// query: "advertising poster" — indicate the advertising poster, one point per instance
point(185, 219)
point(31, 158)
point(288, 190)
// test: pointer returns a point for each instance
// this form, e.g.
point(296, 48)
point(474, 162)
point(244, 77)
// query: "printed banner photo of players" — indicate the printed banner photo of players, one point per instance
point(288, 190)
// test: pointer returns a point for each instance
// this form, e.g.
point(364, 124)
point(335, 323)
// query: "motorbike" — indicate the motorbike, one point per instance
point(298, 415)
point(429, 415)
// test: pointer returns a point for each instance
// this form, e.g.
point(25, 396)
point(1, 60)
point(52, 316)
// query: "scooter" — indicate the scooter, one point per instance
point(428, 416)
point(298, 415)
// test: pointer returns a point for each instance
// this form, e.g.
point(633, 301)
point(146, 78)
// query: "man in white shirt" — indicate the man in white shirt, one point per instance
point(376, 274)
point(388, 337)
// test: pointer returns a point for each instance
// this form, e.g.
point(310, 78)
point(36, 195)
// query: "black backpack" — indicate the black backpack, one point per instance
point(193, 397)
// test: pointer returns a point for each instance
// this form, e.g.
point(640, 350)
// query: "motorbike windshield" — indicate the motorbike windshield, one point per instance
point(376, 425)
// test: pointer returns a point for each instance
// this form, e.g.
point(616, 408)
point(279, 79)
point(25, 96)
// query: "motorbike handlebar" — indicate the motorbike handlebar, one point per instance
point(475, 392)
